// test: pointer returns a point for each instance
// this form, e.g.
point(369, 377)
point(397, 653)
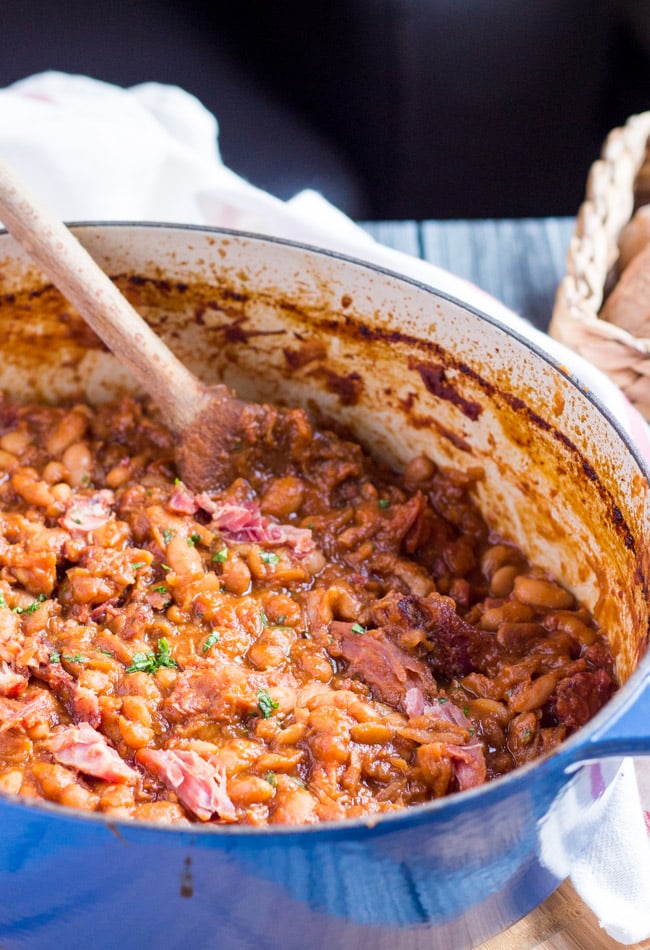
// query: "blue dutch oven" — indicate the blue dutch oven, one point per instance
point(561, 479)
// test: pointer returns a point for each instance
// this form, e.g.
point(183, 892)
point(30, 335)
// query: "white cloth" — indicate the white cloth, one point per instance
point(94, 151)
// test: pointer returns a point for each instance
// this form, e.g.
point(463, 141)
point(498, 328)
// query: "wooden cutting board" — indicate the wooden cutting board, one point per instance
point(562, 922)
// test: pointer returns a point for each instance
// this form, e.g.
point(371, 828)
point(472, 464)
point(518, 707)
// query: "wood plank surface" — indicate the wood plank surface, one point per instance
point(520, 262)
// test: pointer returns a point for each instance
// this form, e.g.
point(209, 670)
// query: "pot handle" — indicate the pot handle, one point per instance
point(628, 732)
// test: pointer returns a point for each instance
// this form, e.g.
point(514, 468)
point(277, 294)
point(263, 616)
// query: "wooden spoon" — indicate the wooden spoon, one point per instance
point(208, 422)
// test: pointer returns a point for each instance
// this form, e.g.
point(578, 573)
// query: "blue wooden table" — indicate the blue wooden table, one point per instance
point(518, 261)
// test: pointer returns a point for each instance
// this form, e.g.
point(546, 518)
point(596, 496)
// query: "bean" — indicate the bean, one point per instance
point(250, 790)
point(538, 592)
point(75, 796)
point(271, 649)
point(420, 469)
point(283, 497)
point(11, 781)
point(298, 807)
point(136, 709)
point(8, 462)
point(54, 472)
point(496, 556)
point(135, 734)
point(370, 733)
point(71, 428)
point(509, 612)
point(15, 442)
point(532, 694)
point(183, 558)
point(291, 734)
point(235, 575)
point(31, 488)
point(571, 623)
point(503, 580)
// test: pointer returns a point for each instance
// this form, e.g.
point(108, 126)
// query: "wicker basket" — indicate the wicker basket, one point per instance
point(618, 183)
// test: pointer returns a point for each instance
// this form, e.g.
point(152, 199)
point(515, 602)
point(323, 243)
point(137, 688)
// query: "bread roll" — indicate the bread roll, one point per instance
point(628, 305)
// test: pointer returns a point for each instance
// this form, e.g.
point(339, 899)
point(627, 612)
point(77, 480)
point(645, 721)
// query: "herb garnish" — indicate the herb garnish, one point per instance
point(271, 779)
point(263, 618)
point(193, 539)
point(383, 502)
point(357, 628)
point(211, 640)
point(167, 534)
point(55, 656)
point(265, 703)
point(74, 657)
point(32, 607)
point(269, 557)
point(152, 662)
point(138, 564)
point(221, 556)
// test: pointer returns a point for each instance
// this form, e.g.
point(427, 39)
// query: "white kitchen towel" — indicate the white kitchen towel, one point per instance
point(94, 151)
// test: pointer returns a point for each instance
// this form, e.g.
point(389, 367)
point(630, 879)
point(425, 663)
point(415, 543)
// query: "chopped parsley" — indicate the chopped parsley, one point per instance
point(160, 589)
point(138, 564)
point(55, 656)
point(263, 618)
point(193, 539)
point(165, 567)
point(383, 502)
point(442, 700)
point(3, 602)
point(32, 607)
point(85, 479)
point(211, 640)
point(271, 779)
point(269, 557)
point(152, 662)
point(221, 556)
point(357, 628)
point(265, 703)
point(74, 657)
point(167, 534)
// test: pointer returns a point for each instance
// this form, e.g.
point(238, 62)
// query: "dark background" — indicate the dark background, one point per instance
point(392, 108)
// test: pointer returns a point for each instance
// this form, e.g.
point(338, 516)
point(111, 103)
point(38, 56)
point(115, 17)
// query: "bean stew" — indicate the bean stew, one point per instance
point(335, 641)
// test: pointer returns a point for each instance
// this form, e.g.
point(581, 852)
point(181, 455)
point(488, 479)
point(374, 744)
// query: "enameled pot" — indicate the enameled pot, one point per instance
point(410, 371)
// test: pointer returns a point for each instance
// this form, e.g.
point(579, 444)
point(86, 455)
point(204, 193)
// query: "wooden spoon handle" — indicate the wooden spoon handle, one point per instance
point(80, 279)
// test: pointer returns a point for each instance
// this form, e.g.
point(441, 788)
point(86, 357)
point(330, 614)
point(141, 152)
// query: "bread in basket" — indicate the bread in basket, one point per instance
point(599, 308)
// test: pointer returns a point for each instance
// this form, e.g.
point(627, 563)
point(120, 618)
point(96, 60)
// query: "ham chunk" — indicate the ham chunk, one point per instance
point(87, 513)
point(390, 671)
point(83, 748)
point(199, 783)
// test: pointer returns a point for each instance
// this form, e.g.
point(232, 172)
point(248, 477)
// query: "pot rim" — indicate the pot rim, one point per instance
point(565, 759)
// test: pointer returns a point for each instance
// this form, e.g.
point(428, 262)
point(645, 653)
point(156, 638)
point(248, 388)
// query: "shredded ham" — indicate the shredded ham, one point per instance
point(87, 513)
point(11, 683)
point(468, 764)
point(85, 749)
point(199, 784)
point(15, 713)
point(245, 522)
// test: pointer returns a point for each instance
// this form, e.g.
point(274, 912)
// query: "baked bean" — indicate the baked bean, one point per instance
point(71, 428)
point(78, 460)
point(419, 469)
point(370, 733)
point(503, 580)
point(509, 612)
point(282, 643)
point(15, 442)
point(11, 781)
point(497, 556)
point(249, 789)
point(532, 694)
point(283, 497)
point(538, 592)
